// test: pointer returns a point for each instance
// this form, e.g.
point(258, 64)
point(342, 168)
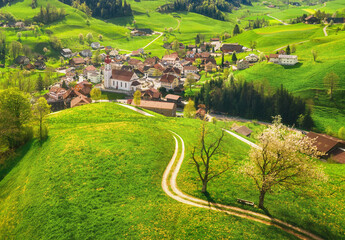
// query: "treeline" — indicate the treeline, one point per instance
point(49, 14)
point(104, 8)
point(209, 8)
point(247, 100)
point(257, 23)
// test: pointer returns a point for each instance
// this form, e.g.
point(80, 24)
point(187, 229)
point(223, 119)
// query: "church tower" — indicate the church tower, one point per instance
point(107, 72)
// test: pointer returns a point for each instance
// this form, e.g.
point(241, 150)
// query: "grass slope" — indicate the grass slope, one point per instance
point(99, 176)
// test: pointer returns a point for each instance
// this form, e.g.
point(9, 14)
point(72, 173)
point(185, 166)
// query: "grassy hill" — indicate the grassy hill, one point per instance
point(99, 176)
point(306, 78)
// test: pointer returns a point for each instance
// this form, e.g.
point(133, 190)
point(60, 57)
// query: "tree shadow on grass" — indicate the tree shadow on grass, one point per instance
point(297, 65)
point(306, 224)
point(14, 159)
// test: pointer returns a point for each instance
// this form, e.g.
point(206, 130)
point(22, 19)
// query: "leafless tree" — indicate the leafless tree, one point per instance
point(203, 155)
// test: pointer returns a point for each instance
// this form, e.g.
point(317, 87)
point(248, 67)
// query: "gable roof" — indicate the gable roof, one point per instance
point(231, 47)
point(122, 75)
point(243, 130)
point(80, 100)
point(325, 143)
point(167, 78)
point(172, 70)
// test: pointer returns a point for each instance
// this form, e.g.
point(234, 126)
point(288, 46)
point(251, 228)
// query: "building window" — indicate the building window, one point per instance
point(121, 84)
point(125, 85)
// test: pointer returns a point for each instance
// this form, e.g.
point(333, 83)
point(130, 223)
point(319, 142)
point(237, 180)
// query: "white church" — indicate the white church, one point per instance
point(119, 79)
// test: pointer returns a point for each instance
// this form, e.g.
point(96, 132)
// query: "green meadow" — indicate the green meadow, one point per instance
point(99, 174)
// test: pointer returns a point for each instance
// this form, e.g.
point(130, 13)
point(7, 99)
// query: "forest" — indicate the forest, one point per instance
point(104, 8)
point(209, 8)
point(254, 101)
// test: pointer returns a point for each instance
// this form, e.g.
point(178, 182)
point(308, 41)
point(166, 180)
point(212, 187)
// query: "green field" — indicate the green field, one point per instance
point(99, 175)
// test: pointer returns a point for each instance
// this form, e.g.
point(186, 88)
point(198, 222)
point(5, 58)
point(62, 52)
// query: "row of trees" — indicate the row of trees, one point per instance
point(49, 14)
point(102, 8)
point(254, 101)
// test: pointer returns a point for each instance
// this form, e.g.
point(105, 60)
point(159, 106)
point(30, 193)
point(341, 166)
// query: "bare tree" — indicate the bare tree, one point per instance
point(283, 159)
point(207, 150)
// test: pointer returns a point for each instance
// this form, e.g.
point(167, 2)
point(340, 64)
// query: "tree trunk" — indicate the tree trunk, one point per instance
point(262, 199)
point(204, 187)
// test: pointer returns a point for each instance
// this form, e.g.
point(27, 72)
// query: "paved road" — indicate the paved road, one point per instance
point(284, 23)
point(171, 189)
point(291, 44)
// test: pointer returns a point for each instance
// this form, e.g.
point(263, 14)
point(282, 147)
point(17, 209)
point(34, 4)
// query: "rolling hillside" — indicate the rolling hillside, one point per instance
point(99, 175)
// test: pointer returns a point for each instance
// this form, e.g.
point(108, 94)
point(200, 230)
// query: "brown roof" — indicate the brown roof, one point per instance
point(78, 60)
point(134, 61)
point(122, 75)
point(168, 78)
point(80, 100)
point(90, 68)
point(231, 47)
point(159, 67)
point(274, 55)
point(325, 143)
point(154, 93)
point(172, 70)
point(338, 155)
point(156, 104)
point(151, 61)
point(173, 97)
point(191, 68)
point(243, 130)
point(172, 56)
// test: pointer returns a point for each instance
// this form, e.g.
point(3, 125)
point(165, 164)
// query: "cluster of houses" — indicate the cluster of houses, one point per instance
point(26, 63)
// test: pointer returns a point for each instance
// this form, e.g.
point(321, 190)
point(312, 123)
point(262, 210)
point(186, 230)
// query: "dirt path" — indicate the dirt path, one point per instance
point(136, 110)
point(325, 30)
point(172, 190)
point(291, 44)
point(284, 23)
point(160, 34)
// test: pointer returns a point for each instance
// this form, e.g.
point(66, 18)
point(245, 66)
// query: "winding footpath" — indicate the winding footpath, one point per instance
point(325, 31)
point(284, 23)
point(170, 187)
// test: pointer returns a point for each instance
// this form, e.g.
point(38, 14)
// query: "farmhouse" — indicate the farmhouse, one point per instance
point(274, 58)
point(77, 62)
point(169, 81)
point(190, 69)
point(170, 59)
point(210, 66)
point(167, 109)
point(151, 94)
point(288, 59)
point(231, 47)
point(174, 99)
point(80, 100)
point(334, 148)
point(84, 87)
